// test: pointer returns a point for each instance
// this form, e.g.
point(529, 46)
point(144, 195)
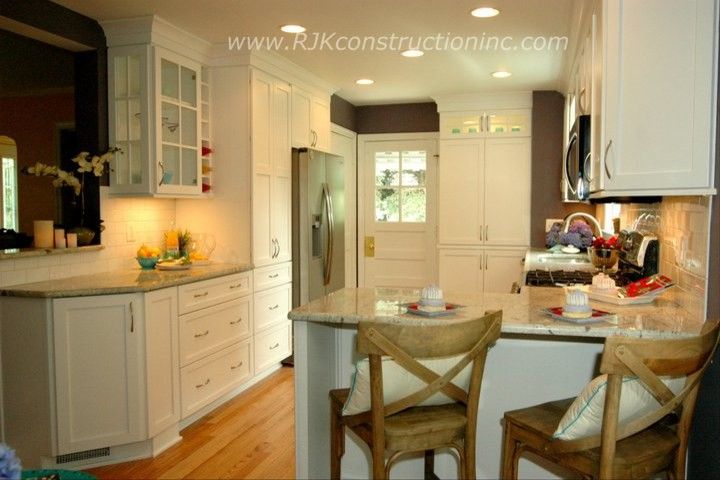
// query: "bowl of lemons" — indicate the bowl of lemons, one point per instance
point(148, 257)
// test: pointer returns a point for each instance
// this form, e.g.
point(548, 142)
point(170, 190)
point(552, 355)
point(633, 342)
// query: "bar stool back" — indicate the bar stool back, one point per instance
point(402, 426)
point(638, 447)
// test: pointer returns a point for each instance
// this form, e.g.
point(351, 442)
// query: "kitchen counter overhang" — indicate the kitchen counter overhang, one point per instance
point(522, 313)
point(121, 281)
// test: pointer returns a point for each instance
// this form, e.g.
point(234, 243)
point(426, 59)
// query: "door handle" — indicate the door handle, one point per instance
point(275, 346)
point(204, 334)
point(607, 148)
point(330, 241)
point(370, 247)
point(233, 367)
point(568, 181)
point(235, 322)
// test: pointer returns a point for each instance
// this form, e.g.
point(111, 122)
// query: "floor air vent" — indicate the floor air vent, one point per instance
point(87, 454)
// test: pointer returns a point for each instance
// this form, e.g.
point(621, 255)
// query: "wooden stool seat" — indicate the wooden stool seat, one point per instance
point(403, 426)
point(635, 457)
point(637, 447)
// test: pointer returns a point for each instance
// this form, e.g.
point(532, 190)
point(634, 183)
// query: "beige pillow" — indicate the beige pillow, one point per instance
point(584, 417)
point(398, 382)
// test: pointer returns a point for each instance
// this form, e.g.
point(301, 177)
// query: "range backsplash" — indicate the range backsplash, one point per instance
point(683, 235)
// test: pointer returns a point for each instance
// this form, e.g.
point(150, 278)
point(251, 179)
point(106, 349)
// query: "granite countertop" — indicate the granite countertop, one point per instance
point(521, 312)
point(122, 281)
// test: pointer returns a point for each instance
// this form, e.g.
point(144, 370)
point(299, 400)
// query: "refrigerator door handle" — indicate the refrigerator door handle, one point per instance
point(327, 260)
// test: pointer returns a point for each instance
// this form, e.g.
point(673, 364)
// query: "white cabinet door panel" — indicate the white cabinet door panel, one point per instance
point(502, 269)
point(98, 370)
point(461, 270)
point(460, 198)
point(507, 191)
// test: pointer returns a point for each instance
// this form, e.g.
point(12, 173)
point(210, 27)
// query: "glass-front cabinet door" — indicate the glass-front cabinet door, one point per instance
point(155, 120)
point(490, 123)
point(178, 125)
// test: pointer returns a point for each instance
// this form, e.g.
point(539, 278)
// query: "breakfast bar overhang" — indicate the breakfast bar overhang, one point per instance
point(537, 359)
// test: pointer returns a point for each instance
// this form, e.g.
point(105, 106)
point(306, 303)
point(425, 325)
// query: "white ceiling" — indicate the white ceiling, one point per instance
point(397, 79)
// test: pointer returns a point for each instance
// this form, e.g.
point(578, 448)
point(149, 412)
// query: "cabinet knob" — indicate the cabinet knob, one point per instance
point(204, 334)
point(238, 285)
point(274, 307)
point(235, 322)
point(275, 346)
point(201, 295)
point(235, 367)
point(274, 275)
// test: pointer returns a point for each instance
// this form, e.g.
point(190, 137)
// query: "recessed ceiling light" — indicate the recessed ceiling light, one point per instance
point(412, 53)
point(292, 28)
point(501, 74)
point(365, 81)
point(485, 12)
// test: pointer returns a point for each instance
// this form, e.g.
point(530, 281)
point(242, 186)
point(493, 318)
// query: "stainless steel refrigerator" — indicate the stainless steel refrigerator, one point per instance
point(318, 224)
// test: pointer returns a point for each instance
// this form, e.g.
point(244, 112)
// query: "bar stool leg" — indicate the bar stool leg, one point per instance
point(337, 442)
point(429, 464)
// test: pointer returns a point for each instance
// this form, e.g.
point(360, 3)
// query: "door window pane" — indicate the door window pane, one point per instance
point(400, 178)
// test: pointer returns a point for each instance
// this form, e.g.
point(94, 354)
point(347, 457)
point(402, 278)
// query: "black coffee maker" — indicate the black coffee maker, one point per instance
point(639, 256)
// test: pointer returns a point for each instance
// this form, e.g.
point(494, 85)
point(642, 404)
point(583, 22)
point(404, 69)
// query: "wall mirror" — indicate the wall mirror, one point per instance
point(53, 104)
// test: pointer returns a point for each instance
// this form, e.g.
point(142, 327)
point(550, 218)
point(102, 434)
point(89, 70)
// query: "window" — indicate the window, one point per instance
point(9, 198)
point(400, 191)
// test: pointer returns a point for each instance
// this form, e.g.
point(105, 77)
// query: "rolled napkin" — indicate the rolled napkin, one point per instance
point(576, 304)
point(431, 299)
point(603, 283)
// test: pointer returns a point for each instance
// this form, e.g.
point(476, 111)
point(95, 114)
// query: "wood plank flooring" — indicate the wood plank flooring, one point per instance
point(252, 436)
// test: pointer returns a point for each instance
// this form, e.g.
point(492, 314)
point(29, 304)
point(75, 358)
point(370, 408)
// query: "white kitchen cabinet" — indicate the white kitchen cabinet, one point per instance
point(310, 119)
point(488, 181)
point(658, 63)
point(155, 118)
point(161, 360)
point(271, 303)
point(271, 167)
point(480, 270)
point(489, 123)
point(98, 357)
point(215, 328)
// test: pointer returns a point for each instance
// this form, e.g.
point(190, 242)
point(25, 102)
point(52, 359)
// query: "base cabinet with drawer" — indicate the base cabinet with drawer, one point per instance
point(272, 302)
point(215, 325)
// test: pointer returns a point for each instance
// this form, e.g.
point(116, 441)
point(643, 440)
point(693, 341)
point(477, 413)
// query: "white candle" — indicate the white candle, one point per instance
point(71, 240)
point(59, 238)
point(43, 232)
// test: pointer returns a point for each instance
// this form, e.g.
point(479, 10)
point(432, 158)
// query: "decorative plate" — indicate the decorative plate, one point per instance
point(172, 266)
point(450, 308)
point(595, 317)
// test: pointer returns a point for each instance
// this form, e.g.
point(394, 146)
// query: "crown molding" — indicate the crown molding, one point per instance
point(482, 101)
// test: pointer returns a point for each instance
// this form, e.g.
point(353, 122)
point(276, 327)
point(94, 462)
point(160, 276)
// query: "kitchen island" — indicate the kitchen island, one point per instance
point(537, 359)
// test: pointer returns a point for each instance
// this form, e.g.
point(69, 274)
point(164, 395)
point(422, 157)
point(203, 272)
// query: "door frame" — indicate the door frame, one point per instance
point(362, 141)
point(351, 206)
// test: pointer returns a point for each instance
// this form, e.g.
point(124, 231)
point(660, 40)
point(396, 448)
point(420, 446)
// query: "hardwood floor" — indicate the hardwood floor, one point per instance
point(252, 436)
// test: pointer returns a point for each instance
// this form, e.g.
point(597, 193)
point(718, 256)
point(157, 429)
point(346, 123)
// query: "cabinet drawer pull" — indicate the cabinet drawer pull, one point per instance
point(198, 335)
point(233, 287)
point(201, 295)
point(201, 385)
point(234, 367)
point(235, 322)
point(274, 307)
point(274, 275)
point(275, 346)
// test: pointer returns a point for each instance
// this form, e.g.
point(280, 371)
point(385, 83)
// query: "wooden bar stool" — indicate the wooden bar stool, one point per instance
point(407, 423)
point(651, 441)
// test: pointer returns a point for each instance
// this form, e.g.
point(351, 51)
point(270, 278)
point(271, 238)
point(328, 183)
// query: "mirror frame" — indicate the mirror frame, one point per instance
point(54, 24)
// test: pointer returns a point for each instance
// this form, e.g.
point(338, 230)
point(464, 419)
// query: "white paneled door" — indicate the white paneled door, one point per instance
point(399, 213)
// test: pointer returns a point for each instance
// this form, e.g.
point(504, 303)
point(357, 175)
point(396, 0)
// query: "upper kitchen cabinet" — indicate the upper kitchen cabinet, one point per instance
point(155, 108)
point(656, 63)
point(271, 164)
point(310, 119)
point(492, 123)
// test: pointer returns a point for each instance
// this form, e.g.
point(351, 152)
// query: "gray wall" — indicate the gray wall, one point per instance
point(547, 154)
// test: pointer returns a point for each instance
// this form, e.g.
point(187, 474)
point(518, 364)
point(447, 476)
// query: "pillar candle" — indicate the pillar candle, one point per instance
point(59, 238)
point(43, 232)
point(71, 240)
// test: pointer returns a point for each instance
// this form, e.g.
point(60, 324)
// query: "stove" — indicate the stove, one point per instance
point(549, 278)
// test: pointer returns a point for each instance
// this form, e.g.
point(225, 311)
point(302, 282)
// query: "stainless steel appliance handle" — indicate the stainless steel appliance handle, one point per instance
point(568, 181)
point(327, 205)
point(588, 158)
point(607, 148)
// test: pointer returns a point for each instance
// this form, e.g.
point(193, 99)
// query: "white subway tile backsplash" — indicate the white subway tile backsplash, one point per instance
point(149, 219)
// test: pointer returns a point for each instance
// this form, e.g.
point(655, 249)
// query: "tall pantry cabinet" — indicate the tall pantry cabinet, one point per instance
point(484, 191)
